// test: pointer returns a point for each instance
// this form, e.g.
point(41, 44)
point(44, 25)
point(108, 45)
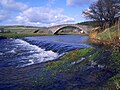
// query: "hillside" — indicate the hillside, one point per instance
point(109, 33)
point(109, 38)
point(22, 29)
point(89, 23)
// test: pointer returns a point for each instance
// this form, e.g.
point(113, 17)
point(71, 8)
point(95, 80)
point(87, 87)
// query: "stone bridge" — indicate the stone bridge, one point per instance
point(56, 29)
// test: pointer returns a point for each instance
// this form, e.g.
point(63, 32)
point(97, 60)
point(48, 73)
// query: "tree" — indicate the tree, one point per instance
point(103, 11)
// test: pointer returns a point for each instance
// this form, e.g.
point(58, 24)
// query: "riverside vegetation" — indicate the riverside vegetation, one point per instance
point(22, 31)
point(94, 68)
point(89, 68)
point(109, 39)
point(84, 69)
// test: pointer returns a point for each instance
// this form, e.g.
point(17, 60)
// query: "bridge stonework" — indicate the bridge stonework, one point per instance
point(83, 28)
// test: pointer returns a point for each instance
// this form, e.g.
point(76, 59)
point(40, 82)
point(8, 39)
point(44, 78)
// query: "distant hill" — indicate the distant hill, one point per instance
point(22, 29)
point(19, 26)
point(89, 23)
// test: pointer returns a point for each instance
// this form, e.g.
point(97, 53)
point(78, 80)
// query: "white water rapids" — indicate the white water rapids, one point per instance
point(27, 54)
point(32, 50)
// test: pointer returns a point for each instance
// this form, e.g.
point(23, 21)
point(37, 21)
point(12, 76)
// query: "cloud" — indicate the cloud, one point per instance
point(78, 2)
point(43, 16)
point(4, 15)
point(51, 1)
point(9, 7)
point(13, 12)
point(12, 5)
point(87, 12)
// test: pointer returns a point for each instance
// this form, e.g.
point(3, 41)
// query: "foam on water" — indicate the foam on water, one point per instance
point(11, 51)
point(20, 53)
point(37, 54)
point(33, 50)
point(1, 53)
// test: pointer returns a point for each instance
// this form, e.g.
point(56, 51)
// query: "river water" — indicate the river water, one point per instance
point(32, 63)
point(32, 50)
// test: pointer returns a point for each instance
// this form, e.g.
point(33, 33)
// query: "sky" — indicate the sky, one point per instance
point(42, 13)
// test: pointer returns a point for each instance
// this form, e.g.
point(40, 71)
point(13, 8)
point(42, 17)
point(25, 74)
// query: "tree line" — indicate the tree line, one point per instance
point(103, 11)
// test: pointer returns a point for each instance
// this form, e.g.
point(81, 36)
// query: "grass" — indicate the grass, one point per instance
point(64, 68)
point(19, 29)
point(109, 33)
point(94, 56)
point(22, 31)
point(76, 54)
point(55, 67)
point(12, 35)
point(64, 63)
point(106, 35)
point(115, 57)
point(116, 81)
point(108, 39)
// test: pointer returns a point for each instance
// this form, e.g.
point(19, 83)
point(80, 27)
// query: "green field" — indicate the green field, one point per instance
point(22, 31)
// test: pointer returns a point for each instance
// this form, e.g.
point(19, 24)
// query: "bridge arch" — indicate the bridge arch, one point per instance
point(73, 26)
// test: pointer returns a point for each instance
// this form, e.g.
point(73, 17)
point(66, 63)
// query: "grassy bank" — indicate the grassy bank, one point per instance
point(92, 69)
point(108, 38)
point(80, 69)
point(12, 35)
point(22, 31)
point(107, 34)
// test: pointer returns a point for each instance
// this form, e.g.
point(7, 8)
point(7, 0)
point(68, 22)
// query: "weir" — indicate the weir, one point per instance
point(32, 50)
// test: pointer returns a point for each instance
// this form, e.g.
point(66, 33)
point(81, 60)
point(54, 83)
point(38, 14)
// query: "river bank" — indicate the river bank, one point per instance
point(13, 35)
point(107, 44)
point(108, 38)
point(84, 69)
point(88, 69)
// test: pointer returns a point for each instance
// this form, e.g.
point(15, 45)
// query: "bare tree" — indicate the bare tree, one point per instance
point(103, 11)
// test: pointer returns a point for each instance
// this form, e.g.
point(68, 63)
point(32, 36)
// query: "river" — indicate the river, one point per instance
point(34, 63)
point(22, 59)
point(32, 50)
